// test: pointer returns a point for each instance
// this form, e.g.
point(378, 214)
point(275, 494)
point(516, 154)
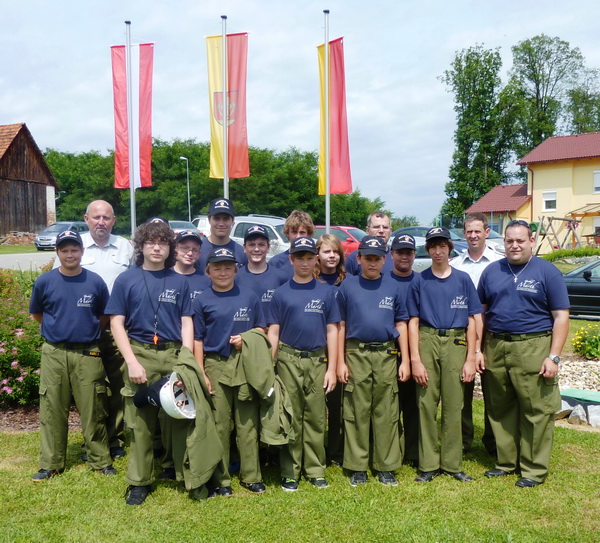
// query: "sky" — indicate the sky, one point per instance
point(55, 74)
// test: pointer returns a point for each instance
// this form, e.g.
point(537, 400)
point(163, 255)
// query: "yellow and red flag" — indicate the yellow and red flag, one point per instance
point(340, 179)
point(234, 112)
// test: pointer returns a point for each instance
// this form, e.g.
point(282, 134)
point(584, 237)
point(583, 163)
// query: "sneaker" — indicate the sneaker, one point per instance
point(289, 485)
point(117, 452)
point(319, 482)
point(168, 474)
point(224, 491)
point(45, 474)
point(387, 478)
point(256, 488)
point(109, 470)
point(136, 495)
point(358, 478)
point(426, 476)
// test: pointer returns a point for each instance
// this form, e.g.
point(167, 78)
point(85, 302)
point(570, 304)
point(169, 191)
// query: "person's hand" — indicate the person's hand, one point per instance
point(342, 372)
point(468, 370)
point(419, 372)
point(404, 372)
point(479, 362)
point(329, 382)
point(549, 369)
point(136, 372)
point(236, 341)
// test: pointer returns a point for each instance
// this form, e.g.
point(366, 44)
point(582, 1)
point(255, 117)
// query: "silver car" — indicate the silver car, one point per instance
point(274, 225)
point(46, 239)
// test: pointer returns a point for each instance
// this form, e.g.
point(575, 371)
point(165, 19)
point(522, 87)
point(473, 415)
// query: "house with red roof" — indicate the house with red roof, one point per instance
point(502, 204)
point(27, 186)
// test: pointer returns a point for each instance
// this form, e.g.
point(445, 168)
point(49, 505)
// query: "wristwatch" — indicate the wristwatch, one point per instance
point(554, 358)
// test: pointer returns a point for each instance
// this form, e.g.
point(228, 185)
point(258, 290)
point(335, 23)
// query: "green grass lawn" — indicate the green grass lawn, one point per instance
point(84, 506)
point(17, 249)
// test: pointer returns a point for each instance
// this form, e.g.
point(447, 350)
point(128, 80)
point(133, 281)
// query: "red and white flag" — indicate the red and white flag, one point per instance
point(142, 57)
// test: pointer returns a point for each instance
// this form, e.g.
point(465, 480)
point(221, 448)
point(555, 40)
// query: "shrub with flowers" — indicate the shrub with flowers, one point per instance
point(587, 341)
point(20, 341)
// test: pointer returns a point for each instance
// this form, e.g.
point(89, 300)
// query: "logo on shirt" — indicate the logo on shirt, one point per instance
point(195, 293)
point(169, 296)
point(314, 306)
point(528, 285)
point(242, 314)
point(459, 302)
point(86, 300)
point(387, 303)
point(267, 295)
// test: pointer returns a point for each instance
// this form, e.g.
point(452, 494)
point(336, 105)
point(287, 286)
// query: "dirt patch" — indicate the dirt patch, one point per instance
point(27, 419)
point(18, 238)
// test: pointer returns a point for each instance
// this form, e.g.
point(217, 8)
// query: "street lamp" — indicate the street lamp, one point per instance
point(187, 171)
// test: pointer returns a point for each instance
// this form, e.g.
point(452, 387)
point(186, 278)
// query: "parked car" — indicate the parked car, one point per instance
point(201, 223)
point(274, 226)
point(348, 235)
point(422, 259)
point(583, 286)
point(46, 239)
point(459, 241)
point(182, 226)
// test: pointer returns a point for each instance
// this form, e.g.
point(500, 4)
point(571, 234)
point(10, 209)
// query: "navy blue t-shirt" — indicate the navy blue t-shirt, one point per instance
point(282, 262)
point(138, 293)
point(371, 307)
point(330, 278)
point(70, 305)
point(219, 315)
point(207, 247)
point(263, 284)
point(303, 311)
point(524, 306)
point(404, 283)
point(353, 268)
point(443, 303)
point(197, 283)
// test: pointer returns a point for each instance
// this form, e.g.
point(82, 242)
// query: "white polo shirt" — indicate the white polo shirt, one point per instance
point(475, 267)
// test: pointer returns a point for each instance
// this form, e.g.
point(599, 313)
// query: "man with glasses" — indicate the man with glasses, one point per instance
point(526, 321)
point(378, 225)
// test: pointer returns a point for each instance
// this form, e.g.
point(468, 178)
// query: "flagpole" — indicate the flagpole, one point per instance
point(327, 181)
point(130, 127)
point(225, 110)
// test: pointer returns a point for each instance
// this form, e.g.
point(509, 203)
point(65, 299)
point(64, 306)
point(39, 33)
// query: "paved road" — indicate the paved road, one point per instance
point(26, 261)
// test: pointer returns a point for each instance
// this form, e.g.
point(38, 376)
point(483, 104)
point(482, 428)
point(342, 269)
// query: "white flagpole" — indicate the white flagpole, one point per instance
point(130, 128)
point(327, 180)
point(225, 111)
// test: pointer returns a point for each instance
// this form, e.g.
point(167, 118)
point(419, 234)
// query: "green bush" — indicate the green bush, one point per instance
point(587, 341)
point(20, 340)
point(571, 253)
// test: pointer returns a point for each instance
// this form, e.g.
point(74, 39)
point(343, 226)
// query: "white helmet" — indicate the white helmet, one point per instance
point(175, 400)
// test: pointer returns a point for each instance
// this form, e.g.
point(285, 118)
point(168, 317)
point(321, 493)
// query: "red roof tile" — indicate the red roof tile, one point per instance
point(503, 198)
point(564, 148)
point(8, 132)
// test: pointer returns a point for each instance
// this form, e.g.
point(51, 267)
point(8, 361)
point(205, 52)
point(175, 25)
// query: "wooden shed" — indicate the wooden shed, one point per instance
point(27, 186)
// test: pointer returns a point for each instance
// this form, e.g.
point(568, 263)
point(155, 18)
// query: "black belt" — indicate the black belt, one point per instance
point(520, 337)
point(373, 346)
point(159, 347)
point(87, 349)
point(443, 332)
point(303, 354)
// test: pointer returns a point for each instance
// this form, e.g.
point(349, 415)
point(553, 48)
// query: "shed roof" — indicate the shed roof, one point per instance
point(8, 132)
point(502, 198)
point(564, 148)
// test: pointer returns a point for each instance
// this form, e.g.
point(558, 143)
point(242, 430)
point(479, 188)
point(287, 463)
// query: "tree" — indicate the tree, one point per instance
point(483, 134)
point(583, 105)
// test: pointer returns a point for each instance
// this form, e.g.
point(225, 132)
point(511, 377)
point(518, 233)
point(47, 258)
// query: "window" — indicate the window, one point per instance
point(596, 181)
point(549, 200)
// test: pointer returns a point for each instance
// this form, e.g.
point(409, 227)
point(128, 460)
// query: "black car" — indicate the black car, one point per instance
point(583, 286)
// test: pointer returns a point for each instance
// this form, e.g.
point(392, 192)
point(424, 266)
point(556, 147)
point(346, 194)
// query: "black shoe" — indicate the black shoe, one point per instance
point(460, 476)
point(256, 488)
point(117, 452)
point(358, 478)
point(497, 473)
point(136, 495)
point(45, 474)
point(109, 470)
point(224, 491)
point(84, 456)
point(427, 476)
point(387, 478)
point(319, 482)
point(289, 485)
point(524, 482)
point(168, 474)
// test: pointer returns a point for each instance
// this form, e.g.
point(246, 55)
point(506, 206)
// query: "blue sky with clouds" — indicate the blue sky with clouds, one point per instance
point(55, 74)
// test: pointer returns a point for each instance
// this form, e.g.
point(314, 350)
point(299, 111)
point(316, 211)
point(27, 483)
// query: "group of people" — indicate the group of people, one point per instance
point(331, 358)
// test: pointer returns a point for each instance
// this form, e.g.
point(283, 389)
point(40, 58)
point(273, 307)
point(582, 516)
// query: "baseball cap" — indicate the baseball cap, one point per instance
point(300, 245)
point(437, 232)
point(188, 234)
point(221, 254)
point(371, 245)
point(256, 230)
point(221, 205)
point(149, 395)
point(68, 235)
point(403, 241)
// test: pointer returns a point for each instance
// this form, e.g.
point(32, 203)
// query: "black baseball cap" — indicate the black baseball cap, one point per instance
point(221, 254)
point(301, 245)
point(149, 395)
point(437, 232)
point(256, 230)
point(221, 205)
point(403, 241)
point(371, 245)
point(188, 234)
point(68, 235)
